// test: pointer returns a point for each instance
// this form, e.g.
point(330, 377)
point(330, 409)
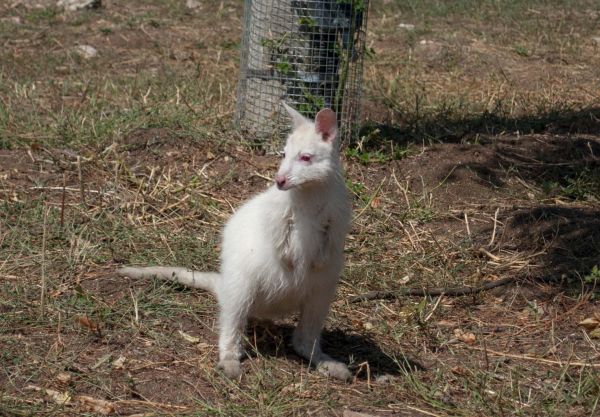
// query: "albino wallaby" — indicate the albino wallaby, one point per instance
point(282, 251)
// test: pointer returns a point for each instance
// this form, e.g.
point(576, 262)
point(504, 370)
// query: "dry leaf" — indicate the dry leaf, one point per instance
point(595, 334)
point(404, 279)
point(103, 359)
point(357, 323)
point(188, 337)
point(459, 370)
point(590, 324)
point(293, 388)
point(96, 405)
point(119, 362)
point(297, 389)
point(56, 396)
point(203, 346)
point(446, 323)
point(466, 337)
point(63, 377)
point(86, 322)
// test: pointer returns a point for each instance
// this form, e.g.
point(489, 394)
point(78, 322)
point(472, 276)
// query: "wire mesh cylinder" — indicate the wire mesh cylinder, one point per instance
point(308, 53)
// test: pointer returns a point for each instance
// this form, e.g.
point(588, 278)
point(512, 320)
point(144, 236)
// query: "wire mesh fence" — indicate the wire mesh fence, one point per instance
point(308, 53)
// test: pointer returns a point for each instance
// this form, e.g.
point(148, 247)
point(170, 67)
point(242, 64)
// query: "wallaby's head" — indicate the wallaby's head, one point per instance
point(311, 150)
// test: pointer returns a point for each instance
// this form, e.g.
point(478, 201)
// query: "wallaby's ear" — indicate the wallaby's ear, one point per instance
point(297, 119)
point(326, 124)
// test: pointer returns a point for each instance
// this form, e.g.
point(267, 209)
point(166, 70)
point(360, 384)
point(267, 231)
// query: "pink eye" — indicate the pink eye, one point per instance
point(305, 157)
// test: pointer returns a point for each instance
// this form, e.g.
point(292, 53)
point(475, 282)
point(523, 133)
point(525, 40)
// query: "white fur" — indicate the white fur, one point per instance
point(282, 251)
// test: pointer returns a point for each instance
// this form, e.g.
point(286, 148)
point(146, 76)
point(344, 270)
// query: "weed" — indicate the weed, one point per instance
point(521, 50)
point(593, 276)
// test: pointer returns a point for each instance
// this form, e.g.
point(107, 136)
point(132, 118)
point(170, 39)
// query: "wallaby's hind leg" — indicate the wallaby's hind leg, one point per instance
point(306, 339)
point(233, 317)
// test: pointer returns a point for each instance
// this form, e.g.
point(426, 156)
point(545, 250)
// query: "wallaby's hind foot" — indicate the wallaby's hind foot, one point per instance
point(232, 368)
point(334, 369)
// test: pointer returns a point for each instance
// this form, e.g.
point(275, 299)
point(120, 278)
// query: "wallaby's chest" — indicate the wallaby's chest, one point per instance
point(307, 239)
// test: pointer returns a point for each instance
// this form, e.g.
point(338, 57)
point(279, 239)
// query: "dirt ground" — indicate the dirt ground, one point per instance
point(479, 162)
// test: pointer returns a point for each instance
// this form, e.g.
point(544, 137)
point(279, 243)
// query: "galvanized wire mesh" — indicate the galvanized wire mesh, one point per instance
point(308, 53)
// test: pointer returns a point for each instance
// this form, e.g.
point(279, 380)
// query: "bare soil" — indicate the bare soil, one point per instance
point(507, 196)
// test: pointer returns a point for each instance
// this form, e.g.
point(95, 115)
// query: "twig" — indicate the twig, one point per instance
point(62, 201)
point(533, 358)
point(135, 308)
point(435, 306)
point(151, 404)
point(404, 190)
point(375, 194)
point(419, 410)
point(43, 292)
point(57, 188)
point(432, 292)
point(264, 177)
point(495, 225)
point(444, 180)
point(187, 104)
point(80, 175)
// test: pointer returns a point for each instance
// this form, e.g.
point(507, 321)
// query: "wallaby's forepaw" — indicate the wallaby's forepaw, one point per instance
point(231, 368)
point(334, 369)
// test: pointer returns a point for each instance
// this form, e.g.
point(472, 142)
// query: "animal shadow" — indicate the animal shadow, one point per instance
point(360, 352)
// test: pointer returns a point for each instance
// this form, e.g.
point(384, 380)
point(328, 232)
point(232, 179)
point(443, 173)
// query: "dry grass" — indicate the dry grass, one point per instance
point(478, 162)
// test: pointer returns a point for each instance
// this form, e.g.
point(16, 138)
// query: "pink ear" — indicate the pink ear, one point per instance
point(297, 118)
point(326, 124)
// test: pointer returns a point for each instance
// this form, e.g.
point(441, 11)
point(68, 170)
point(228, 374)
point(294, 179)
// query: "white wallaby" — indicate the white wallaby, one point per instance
point(282, 251)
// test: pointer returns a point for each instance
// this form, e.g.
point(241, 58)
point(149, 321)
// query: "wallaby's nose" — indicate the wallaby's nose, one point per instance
point(280, 180)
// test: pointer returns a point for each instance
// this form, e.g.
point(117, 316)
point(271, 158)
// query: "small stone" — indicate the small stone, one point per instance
point(86, 51)
point(596, 39)
point(193, 4)
point(385, 379)
point(15, 20)
point(179, 55)
point(73, 5)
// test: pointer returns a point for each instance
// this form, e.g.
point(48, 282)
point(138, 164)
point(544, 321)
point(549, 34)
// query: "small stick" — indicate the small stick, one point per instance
point(467, 223)
point(145, 96)
point(366, 366)
point(419, 410)
point(80, 175)
point(264, 177)
point(533, 358)
point(43, 292)
point(437, 303)
point(412, 242)
point(485, 351)
point(150, 404)
point(432, 292)
point(404, 190)
point(375, 194)
point(495, 225)
point(62, 201)
point(135, 308)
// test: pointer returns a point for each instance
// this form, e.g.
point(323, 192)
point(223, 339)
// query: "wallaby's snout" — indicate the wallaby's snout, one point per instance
point(281, 181)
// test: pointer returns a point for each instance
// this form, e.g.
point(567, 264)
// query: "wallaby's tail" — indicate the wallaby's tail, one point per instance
point(184, 276)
